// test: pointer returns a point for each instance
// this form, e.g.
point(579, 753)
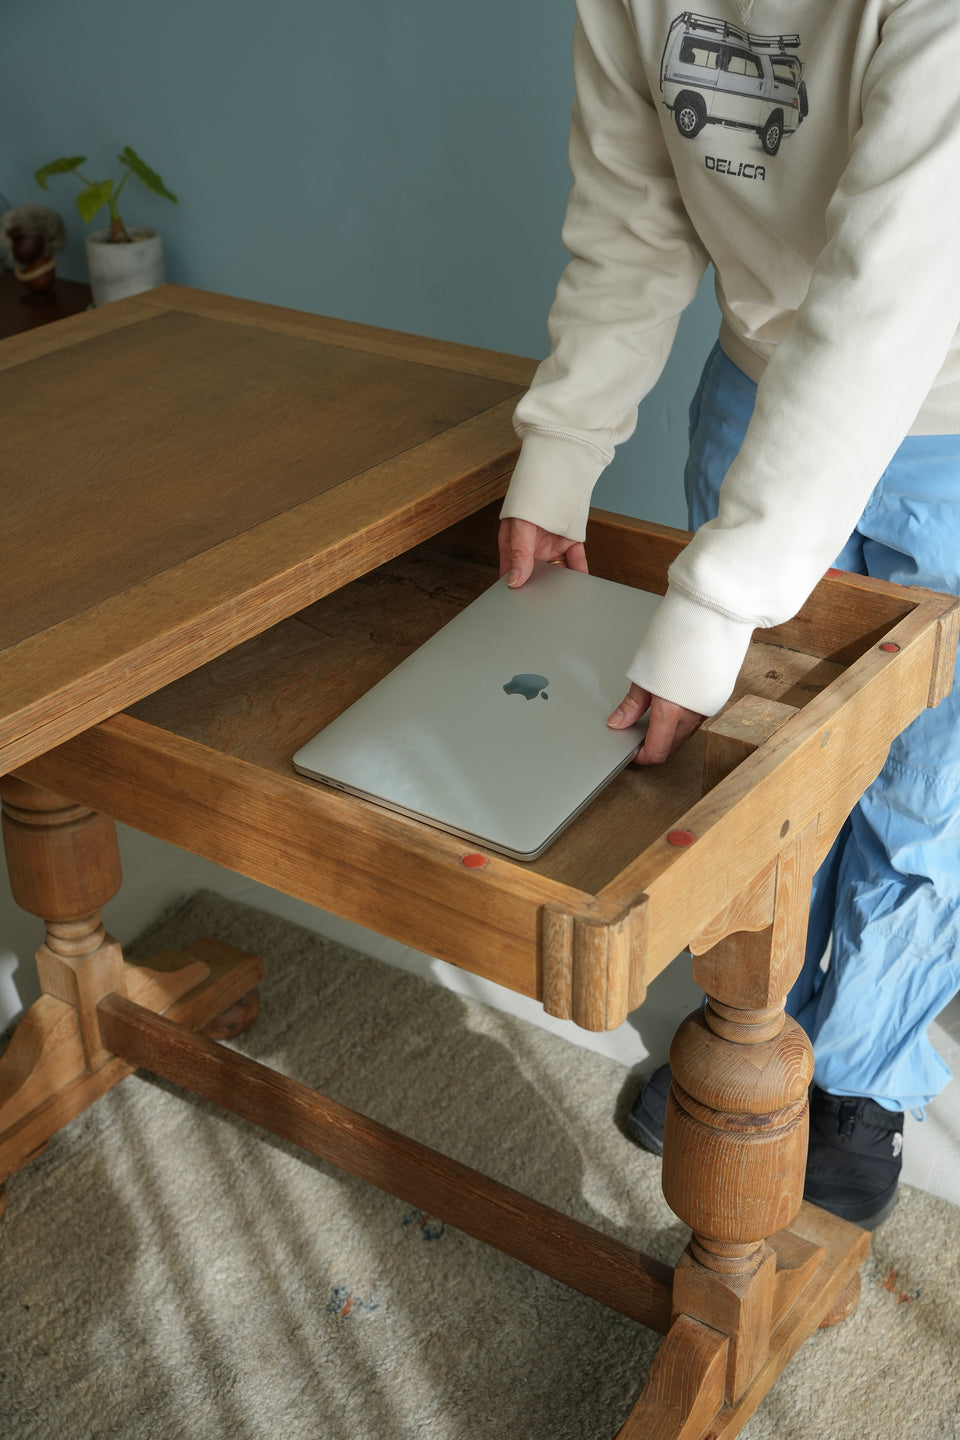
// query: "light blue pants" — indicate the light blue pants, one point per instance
point(887, 897)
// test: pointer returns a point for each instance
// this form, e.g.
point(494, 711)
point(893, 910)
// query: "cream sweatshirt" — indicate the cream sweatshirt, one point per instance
point(809, 149)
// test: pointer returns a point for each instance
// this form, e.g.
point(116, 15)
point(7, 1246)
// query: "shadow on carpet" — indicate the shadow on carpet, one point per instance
point(169, 1271)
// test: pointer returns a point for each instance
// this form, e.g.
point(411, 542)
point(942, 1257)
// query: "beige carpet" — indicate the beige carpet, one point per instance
point(170, 1274)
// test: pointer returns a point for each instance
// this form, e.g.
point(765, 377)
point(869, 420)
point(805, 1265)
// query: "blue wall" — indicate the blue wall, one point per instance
point(399, 162)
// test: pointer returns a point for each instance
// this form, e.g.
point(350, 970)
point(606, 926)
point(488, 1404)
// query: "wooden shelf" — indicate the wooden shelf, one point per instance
point(18, 313)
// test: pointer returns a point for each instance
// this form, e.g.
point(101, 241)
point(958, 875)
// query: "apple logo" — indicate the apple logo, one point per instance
point(529, 686)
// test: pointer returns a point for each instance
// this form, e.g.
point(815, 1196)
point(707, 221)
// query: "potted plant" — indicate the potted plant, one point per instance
point(121, 260)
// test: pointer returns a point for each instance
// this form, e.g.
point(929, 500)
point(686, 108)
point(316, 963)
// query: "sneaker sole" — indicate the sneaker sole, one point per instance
point(870, 1221)
point(648, 1139)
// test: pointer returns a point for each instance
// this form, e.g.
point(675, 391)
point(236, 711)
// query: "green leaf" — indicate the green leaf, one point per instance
point(150, 178)
point(57, 167)
point(94, 198)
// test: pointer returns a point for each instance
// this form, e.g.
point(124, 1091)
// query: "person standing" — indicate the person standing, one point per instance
point(815, 169)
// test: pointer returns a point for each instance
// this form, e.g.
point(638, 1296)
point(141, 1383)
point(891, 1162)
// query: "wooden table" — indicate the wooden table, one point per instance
point(223, 523)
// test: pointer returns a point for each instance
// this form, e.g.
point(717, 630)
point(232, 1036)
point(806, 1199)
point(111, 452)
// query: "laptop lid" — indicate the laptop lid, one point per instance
point(495, 728)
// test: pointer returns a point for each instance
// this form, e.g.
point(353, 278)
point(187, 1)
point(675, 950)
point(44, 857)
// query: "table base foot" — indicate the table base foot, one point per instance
point(45, 1077)
point(818, 1283)
point(684, 1390)
point(844, 1305)
point(237, 1018)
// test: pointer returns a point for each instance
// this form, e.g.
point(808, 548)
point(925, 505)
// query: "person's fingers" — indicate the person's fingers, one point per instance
point(634, 704)
point(507, 542)
point(575, 557)
point(518, 548)
point(520, 543)
point(658, 742)
point(503, 545)
point(521, 568)
point(668, 728)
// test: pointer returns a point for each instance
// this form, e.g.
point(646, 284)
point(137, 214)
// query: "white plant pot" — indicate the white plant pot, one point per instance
point(118, 270)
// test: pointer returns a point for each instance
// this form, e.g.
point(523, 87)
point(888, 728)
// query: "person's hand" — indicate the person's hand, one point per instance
point(521, 542)
point(669, 725)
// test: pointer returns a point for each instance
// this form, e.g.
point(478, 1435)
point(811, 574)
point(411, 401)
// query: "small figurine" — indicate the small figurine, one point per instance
point(33, 235)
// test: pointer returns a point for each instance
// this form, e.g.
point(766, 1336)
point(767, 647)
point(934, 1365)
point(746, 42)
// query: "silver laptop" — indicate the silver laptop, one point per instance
point(495, 729)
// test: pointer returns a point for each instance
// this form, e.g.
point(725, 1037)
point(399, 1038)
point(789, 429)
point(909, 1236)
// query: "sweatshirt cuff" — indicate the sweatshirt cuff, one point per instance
point(691, 655)
point(553, 482)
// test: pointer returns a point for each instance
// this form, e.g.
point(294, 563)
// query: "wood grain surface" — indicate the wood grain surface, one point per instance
point(181, 472)
point(177, 434)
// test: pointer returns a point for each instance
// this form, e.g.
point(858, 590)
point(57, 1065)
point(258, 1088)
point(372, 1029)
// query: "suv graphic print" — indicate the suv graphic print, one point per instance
point(714, 73)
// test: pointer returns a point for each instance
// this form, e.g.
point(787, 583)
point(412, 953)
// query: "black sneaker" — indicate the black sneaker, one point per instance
point(648, 1112)
point(854, 1157)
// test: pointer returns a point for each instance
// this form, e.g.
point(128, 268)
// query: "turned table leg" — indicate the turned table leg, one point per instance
point(734, 1168)
point(64, 865)
point(762, 1270)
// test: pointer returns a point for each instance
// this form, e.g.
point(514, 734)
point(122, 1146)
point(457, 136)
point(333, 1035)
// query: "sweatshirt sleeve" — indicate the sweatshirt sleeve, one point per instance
point(845, 384)
point(635, 265)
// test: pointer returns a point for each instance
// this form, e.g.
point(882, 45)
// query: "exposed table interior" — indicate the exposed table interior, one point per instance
point(265, 699)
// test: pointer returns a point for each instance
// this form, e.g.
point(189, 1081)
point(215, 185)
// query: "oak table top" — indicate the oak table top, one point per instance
point(182, 470)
